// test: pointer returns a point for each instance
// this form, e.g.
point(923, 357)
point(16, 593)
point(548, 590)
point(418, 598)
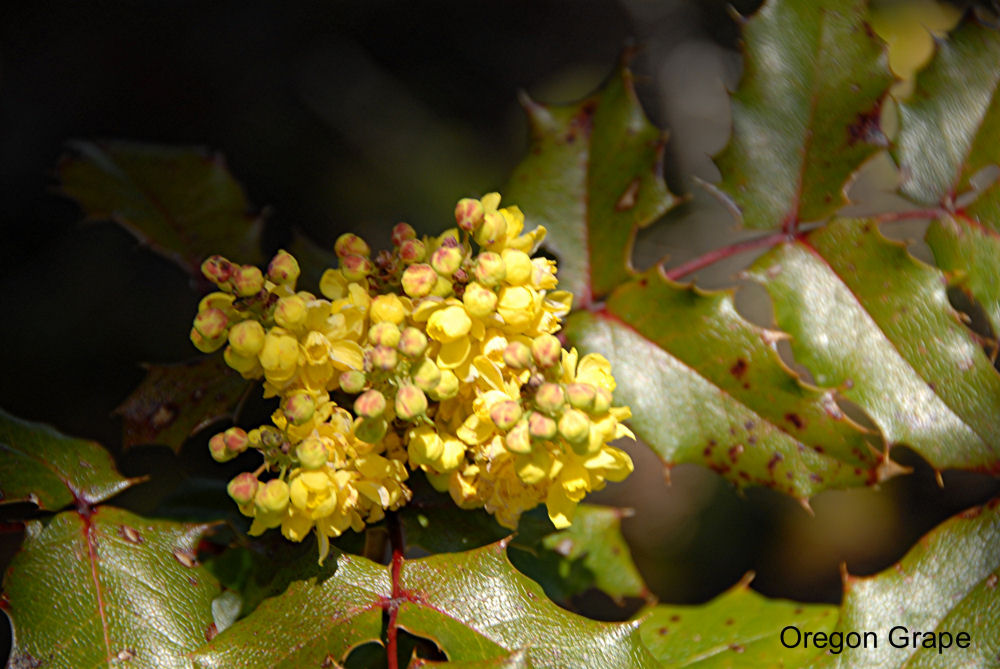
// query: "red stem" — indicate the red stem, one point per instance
point(396, 540)
point(716, 255)
point(911, 214)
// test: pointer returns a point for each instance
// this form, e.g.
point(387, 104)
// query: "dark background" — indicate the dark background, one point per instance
point(351, 116)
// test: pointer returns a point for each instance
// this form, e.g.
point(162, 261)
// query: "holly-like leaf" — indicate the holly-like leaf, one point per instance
point(949, 128)
point(592, 178)
point(739, 628)
point(947, 583)
point(45, 467)
point(806, 114)
point(708, 387)
point(475, 605)
point(181, 201)
point(177, 400)
point(316, 620)
point(108, 589)
point(970, 253)
point(868, 318)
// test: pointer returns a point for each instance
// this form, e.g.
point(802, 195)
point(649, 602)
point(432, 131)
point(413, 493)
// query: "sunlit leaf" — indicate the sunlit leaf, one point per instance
point(39, 464)
point(867, 318)
point(181, 201)
point(592, 178)
point(176, 400)
point(108, 589)
point(706, 386)
point(806, 114)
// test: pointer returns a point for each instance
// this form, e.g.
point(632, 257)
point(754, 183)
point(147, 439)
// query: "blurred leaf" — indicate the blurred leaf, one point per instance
point(708, 387)
point(177, 400)
point(806, 114)
point(946, 583)
point(949, 128)
point(592, 178)
point(475, 606)
point(181, 201)
point(739, 628)
point(112, 588)
point(970, 253)
point(45, 467)
point(869, 319)
point(313, 621)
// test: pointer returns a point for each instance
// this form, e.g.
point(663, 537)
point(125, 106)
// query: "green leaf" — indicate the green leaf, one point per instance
point(596, 540)
point(517, 659)
point(970, 253)
point(175, 401)
point(181, 201)
point(313, 621)
point(806, 114)
point(946, 583)
point(868, 318)
point(107, 589)
point(949, 129)
point(592, 178)
point(475, 605)
point(45, 467)
point(708, 387)
point(739, 628)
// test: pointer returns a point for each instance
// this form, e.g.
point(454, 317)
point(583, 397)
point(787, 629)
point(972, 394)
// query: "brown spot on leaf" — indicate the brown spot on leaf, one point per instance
point(736, 648)
point(866, 128)
point(991, 581)
point(795, 420)
point(125, 655)
point(129, 534)
point(662, 630)
point(735, 451)
point(773, 462)
point(739, 369)
point(729, 621)
point(674, 618)
point(164, 415)
point(211, 632)
point(628, 197)
point(185, 557)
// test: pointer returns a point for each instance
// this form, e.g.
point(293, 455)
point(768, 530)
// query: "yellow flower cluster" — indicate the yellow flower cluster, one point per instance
point(444, 348)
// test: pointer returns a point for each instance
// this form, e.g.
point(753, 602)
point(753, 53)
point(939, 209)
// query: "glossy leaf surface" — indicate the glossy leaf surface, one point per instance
point(41, 465)
point(869, 319)
point(107, 590)
point(806, 113)
point(592, 178)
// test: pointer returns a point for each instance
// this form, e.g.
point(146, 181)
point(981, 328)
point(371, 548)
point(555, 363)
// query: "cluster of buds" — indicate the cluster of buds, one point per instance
point(438, 355)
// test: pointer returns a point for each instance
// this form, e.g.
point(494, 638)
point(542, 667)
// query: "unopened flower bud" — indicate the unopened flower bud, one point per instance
point(355, 267)
point(387, 308)
point(479, 301)
point(242, 364)
point(410, 402)
point(549, 397)
point(469, 214)
point(574, 426)
point(290, 312)
point(247, 280)
point(446, 259)
point(298, 407)
point(402, 232)
point(247, 338)
point(243, 488)
point(271, 437)
point(443, 287)
point(206, 345)
point(272, 497)
point(447, 387)
point(311, 453)
point(412, 342)
point(547, 350)
point(517, 355)
point(602, 401)
point(518, 266)
point(493, 230)
point(490, 268)
point(211, 323)
point(541, 426)
point(384, 333)
point(581, 395)
point(352, 381)
point(371, 430)
point(418, 280)
point(217, 448)
point(411, 251)
point(283, 269)
point(518, 440)
point(236, 440)
point(349, 244)
point(370, 404)
point(426, 376)
point(384, 358)
point(217, 269)
point(505, 414)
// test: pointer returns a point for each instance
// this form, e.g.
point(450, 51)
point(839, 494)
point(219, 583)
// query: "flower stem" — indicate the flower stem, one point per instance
point(716, 255)
point(396, 541)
